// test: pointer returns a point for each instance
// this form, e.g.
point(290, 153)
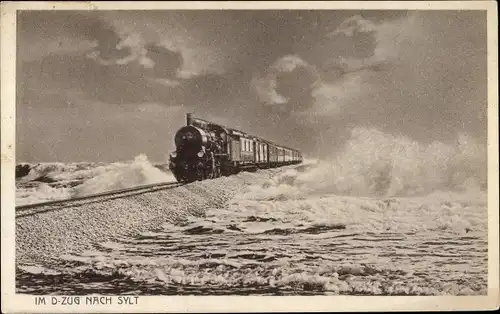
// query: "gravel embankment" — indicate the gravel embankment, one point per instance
point(71, 230)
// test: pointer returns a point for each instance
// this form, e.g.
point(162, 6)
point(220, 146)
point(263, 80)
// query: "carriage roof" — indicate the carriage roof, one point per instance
point(236, 132)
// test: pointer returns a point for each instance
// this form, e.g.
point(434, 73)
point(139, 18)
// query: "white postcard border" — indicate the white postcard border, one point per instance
point(12, 302)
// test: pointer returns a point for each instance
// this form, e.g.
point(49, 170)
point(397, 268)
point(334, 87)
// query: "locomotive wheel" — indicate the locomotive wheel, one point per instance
point(217, 173)
point(225, 173)
point(178, 178)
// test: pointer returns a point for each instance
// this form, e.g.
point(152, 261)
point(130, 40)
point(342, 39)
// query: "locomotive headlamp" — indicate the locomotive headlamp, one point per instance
point(201, 153)
point(188, 136)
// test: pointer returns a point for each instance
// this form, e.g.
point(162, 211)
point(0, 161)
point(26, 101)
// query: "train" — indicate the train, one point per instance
point(206, 150)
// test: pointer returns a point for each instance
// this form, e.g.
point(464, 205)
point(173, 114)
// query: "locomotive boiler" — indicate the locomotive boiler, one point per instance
point(206, 150)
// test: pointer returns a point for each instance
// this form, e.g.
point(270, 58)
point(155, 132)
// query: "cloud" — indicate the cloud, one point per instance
point(265, 88)
point(93, 34)
point(156, 59)
point(289, 79)
point(165, 62)
point(418, 76)
point(347, 81)
point(128, 49)
point(289, 64)
point(388, 37)
point(327, 86)
point(120, 67)
point(330, 99)
point(354, 24)
point(63, 32)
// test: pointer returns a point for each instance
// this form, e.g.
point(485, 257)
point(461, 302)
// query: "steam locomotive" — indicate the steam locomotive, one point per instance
point(205, 150)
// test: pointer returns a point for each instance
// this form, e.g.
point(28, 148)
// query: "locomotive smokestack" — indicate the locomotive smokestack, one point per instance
point(189, 119)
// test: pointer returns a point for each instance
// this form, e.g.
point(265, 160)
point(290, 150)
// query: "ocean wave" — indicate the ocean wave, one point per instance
point(52, 181)
point(374, 163)
point(124, 175)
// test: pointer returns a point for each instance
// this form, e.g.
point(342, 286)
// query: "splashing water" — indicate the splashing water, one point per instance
point(377, 164)
point(53, 181)
point(119, 176)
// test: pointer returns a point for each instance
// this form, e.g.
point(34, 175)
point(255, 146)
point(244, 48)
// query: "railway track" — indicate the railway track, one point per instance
point(37, 208)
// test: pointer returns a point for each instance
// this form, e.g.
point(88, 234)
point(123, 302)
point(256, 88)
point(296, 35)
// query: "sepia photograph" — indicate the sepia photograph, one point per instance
point(248, 151)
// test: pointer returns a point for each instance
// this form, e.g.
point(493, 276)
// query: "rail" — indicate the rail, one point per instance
point(23, 210)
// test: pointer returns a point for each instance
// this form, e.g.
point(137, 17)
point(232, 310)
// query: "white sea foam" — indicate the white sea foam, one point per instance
point(53, 181)
point(124, 175)
point(373, 163)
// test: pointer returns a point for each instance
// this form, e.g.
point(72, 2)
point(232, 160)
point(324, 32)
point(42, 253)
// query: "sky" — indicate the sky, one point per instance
point(110, 85)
